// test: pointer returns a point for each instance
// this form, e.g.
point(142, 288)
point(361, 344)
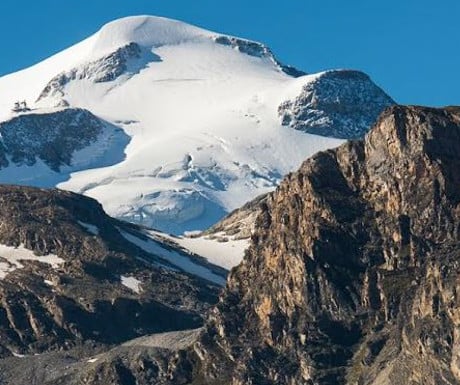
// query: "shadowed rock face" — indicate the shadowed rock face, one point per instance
point(127, 60)
point(51, 137)
point(352, 276)
point(83, 301)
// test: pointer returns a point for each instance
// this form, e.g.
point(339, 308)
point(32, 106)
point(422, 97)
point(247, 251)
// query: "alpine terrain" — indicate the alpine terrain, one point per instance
point(172, 126)
point(351, 277)
point(72, 277)
point(341, 270)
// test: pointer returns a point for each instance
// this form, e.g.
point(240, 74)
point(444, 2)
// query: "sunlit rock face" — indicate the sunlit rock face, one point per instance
point(352, 275)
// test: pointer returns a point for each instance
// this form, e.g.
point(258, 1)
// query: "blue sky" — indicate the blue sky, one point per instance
point(411, 48)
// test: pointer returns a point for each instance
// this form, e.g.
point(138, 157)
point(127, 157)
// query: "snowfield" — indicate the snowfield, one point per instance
point(12, 258)
point(201, 111)
point(152, 245)
point(227, 254)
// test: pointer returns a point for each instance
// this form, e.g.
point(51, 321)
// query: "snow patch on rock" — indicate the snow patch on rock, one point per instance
point(12, 258)
point(131, 283)
point(89, 227)
point(172, 256)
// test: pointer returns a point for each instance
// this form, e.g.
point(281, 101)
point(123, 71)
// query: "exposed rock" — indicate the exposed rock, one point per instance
point(89, 299)
point(352, 276)
point(126, 60)
point(257, 49)
point(340, 104)
point(52, 137)
point(140, 361)
point(239, 224)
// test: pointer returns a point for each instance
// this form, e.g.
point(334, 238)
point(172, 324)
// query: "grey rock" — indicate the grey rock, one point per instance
point(83, 302)
point(339, 104)
point(127, 60)
point(51, 137)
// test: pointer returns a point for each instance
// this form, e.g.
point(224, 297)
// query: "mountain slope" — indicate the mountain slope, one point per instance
point(351, 277)
point(352, 274)
point(70, 276)
point(207, 116)
point(45, 148)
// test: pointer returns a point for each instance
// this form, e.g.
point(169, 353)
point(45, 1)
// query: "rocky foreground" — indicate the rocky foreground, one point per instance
point(69, 279)
point(351, 278)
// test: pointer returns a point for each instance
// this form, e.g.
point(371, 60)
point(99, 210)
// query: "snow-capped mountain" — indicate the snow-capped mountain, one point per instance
point(211, 121)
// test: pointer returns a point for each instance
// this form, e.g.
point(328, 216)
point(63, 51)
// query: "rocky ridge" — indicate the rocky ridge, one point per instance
point(100, 290)
point(127, 60)
point(53, 137)
point(239, 224)
point(256, 49)
point(352, 275)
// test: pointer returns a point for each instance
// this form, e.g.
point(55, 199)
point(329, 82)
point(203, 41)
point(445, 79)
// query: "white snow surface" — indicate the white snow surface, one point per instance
point(226, 254)
point(11, 259)
point(203, 120)
point(93, 229)
point(181, 261)
point(131, 283)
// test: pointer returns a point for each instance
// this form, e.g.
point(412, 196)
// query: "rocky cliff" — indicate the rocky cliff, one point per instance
point(339, 103)
point(69, 277)
point(352, 276)
point(55, 138)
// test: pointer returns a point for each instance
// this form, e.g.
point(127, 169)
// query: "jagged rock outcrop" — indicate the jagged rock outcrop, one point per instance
point(353, 272)
point(138, 362)
point(127, 60)
point(54, 137)
point(340, 104)
point(69, 277)
point(239, 224)
point(256, 49)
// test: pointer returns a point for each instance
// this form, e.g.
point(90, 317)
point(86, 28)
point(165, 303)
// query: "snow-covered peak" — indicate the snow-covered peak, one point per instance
point(212, 120)
point(146, 31)
point(157, 39)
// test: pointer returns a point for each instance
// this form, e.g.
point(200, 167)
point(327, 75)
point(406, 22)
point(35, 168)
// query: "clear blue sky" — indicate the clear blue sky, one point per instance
point(411, 48)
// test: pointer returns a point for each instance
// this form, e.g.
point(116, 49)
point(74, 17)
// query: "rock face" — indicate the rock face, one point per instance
point(240, 223)
point(99, 289)
point(127, 60)
point(52, 137)
point(353, 272)
point(256, 49)
point(138, 362)
point(340, 104)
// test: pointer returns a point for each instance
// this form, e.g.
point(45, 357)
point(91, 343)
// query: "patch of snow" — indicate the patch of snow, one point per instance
point(227, 254)
point(18, 355)
point(183, 262)
point(89, 227)
point(131, 283)
point(92, 360)
point(48, 282)
point(11, 258)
